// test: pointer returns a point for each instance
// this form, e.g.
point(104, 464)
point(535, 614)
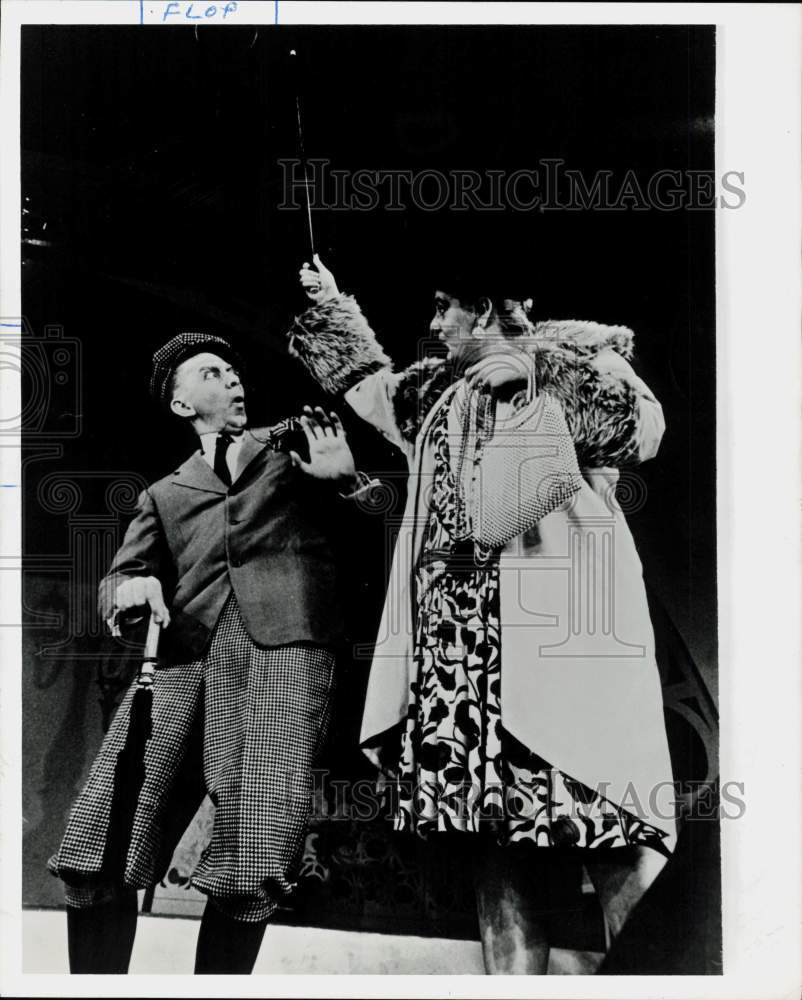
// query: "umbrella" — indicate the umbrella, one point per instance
point(129, 773)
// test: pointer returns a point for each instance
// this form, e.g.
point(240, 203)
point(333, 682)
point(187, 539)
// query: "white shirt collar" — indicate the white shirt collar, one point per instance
point(208, 442)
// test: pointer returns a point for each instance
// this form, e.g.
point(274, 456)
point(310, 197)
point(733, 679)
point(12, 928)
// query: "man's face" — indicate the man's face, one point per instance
point(209, 390)
point(453, 323)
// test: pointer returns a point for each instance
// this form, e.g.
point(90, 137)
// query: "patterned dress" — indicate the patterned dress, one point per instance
point(457, 769)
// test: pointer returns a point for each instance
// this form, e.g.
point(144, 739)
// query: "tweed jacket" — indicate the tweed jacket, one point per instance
point(579, 680)
point(265, 538)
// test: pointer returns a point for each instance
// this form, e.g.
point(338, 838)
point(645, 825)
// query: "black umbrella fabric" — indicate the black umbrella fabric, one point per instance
point(129, 774)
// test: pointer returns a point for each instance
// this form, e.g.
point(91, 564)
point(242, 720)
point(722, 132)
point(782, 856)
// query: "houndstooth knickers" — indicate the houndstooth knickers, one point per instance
point(246, 724)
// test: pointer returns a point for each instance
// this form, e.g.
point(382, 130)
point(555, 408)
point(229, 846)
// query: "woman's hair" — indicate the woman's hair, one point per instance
point(512, 316)
point(506, 284)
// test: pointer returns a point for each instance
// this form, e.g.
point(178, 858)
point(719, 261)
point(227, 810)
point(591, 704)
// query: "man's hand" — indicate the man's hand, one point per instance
point(500, 370)
point(329, 455)
point(318, 284)
point(142, 590)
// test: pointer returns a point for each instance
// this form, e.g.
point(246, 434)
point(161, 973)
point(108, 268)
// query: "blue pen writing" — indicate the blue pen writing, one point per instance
point(199, 12)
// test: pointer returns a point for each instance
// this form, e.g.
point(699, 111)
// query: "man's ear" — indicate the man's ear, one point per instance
point(180, 408)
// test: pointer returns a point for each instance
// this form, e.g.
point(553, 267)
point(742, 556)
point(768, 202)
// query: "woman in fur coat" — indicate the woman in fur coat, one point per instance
point(513, 693)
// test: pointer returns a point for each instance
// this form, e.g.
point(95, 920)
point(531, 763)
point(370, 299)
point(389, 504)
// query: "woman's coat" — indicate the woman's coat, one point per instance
point(580, 684)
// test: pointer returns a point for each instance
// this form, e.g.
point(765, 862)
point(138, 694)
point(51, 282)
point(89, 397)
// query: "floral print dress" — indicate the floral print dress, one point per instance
point(456, 768)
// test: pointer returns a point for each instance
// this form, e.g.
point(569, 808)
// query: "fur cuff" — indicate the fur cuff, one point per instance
point(336, 344)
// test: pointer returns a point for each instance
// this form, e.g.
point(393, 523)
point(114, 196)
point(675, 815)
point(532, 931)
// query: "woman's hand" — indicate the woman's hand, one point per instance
point(319, 284)
point(329, 455)
point(501, 370)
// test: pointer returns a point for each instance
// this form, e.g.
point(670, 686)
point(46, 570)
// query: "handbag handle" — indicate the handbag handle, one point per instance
point(462, 529)
point(531, 378)
point(531, 383)
point(531, 395)
point(472, 435)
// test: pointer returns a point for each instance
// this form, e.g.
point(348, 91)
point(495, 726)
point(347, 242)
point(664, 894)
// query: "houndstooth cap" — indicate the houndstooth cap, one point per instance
point(168, 357)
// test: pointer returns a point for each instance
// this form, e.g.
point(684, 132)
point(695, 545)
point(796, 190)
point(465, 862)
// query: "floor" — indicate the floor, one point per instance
point(167, 944)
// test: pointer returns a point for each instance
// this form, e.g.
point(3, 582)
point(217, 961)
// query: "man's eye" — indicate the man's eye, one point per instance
point(210, 374)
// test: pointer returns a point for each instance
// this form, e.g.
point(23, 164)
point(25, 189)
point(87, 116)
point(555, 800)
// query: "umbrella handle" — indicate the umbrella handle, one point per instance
point(150, 658)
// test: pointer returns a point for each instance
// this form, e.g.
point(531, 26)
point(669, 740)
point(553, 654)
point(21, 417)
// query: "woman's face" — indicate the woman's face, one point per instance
point(453, 323)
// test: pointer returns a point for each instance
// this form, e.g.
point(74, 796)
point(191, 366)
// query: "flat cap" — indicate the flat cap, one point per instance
point(168, 357)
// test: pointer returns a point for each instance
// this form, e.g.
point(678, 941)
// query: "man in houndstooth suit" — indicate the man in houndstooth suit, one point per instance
point(230, 554)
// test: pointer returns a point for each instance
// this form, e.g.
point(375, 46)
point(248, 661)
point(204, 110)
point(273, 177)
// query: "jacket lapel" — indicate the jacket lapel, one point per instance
point(197, 474)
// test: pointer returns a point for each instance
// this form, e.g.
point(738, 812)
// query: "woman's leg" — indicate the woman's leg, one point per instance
point(621, 879)
point(512, 906)
point(100, 938)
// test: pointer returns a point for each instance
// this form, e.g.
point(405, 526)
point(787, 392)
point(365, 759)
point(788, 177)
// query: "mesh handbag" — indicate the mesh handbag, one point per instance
point(512, 471)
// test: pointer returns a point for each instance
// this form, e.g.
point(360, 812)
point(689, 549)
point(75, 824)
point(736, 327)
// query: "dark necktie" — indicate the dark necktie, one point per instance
point(220, 464)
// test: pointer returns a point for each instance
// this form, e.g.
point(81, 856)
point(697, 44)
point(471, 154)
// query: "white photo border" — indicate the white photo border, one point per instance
point(759, 303)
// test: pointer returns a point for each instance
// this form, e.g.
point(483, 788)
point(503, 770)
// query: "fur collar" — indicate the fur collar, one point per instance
point(584, 336)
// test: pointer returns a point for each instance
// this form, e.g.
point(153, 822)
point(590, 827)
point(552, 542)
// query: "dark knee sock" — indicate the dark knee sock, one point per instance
point(100, 938)
point(226, 945)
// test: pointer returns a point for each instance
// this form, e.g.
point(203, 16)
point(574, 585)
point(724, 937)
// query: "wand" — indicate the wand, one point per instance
point(302, 151)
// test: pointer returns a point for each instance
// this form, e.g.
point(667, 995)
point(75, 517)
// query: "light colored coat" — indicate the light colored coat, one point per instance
point(580, 684)
point(579, 679)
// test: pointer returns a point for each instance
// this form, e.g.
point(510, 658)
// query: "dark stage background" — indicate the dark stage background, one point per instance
point(151, 190)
